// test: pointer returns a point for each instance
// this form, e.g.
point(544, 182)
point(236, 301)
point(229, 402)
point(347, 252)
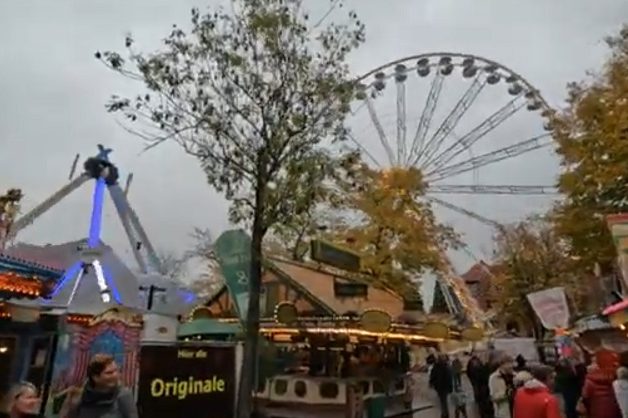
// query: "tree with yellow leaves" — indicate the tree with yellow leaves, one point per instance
point(592, 136)
point(385, 219)
point(530, 256)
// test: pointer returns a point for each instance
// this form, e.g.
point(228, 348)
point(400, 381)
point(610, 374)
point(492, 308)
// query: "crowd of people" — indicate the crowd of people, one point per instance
point(102, 396)
point(510, 388)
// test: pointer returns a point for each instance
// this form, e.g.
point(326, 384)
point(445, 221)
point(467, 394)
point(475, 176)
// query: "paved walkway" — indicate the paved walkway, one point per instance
point(427, 395)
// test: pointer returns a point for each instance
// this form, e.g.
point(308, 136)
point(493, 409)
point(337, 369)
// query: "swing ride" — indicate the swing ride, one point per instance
point(95, 262)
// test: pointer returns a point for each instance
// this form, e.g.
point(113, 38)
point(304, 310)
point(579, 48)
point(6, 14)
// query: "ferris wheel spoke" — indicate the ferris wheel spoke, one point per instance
point(477, 133)
point(501, 154)
point(426, 117)
point(401, 121)
point(466, 212)
point(363, 149)
point(380, 130)
point(492, 189)
point(449, 123)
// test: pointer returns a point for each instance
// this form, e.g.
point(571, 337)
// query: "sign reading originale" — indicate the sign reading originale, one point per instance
point(194, 381)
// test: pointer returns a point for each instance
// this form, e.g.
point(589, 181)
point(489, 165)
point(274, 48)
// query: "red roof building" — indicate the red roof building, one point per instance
point(478, 279)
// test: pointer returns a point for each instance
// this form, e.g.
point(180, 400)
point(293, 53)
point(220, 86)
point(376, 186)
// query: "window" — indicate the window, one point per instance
point(300, 388)
point(281, 387)
point(328, 390)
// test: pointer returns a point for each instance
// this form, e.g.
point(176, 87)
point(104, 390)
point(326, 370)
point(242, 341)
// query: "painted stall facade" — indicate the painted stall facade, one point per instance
point(117, 332)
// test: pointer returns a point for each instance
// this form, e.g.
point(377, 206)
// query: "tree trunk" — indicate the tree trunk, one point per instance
point(249, 361)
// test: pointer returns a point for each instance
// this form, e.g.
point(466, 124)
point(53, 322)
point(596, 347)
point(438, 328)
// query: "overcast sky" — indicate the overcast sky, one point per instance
point(52, 93)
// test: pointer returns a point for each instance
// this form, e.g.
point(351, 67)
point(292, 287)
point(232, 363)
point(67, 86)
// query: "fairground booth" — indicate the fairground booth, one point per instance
point(27, 334)
point(331, 341)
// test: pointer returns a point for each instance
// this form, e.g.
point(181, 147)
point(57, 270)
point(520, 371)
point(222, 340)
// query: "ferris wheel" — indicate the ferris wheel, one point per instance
point(453, 116)
point(478, 132)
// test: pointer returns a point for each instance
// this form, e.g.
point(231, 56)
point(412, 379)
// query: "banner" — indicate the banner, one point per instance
point(551, 306)
point(187, 381)
point(233, 250)
point(618, 225)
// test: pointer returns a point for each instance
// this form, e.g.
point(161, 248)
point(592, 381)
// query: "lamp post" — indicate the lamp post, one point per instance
point(151, 291)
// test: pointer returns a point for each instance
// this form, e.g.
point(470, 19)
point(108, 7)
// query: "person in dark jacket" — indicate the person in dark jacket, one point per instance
point(441, 380)
point(567, 384)
point(520, 364)
point(22, 401)
point(102, 396)
point(478, 373)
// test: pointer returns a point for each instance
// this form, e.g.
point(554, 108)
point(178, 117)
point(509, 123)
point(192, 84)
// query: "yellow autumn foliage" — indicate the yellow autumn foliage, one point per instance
point(387, 220)
point(529, 257)
point(592, 136)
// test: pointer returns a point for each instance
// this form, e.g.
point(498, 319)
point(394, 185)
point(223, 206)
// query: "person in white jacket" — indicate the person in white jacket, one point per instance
point(621, 390)
point(502, 389)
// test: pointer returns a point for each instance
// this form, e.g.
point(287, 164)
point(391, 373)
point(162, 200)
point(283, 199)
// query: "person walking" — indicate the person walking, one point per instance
point(521, 364)
point(567, 384)
point(22, 401)
point(478, 374)
point(620, 386)
point(456, 370)
point(441, 380)
point(102, 396)
point(598, 395)
point(535, 399)
point(521, 378)
point(501, 388)
point(459, 399)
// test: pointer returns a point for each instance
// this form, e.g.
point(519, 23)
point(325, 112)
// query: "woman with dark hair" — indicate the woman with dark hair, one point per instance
point(22, 401)
point(102, 395)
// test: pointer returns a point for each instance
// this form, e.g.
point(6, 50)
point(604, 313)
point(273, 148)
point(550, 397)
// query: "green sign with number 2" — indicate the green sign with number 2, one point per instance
point(233, 250)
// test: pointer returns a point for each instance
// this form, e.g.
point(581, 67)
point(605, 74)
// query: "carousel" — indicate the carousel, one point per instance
point(333, 344)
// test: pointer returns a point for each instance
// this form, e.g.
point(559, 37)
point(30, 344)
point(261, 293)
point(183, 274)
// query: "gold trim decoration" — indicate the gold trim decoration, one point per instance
point(286, 313)
point(200, 312)
point(472, 334)
point(375, 320)
point(436, 330)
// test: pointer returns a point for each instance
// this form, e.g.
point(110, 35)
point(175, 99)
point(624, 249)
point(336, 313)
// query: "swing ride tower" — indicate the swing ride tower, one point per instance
point(93, 261)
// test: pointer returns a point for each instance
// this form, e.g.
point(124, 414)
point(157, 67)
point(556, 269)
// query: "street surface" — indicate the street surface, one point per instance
point(426, 395)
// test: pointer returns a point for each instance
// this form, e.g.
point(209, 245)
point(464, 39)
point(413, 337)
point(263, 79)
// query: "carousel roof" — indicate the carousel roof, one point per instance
point(87, 300)
point(320, 283)
point(25, 278)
